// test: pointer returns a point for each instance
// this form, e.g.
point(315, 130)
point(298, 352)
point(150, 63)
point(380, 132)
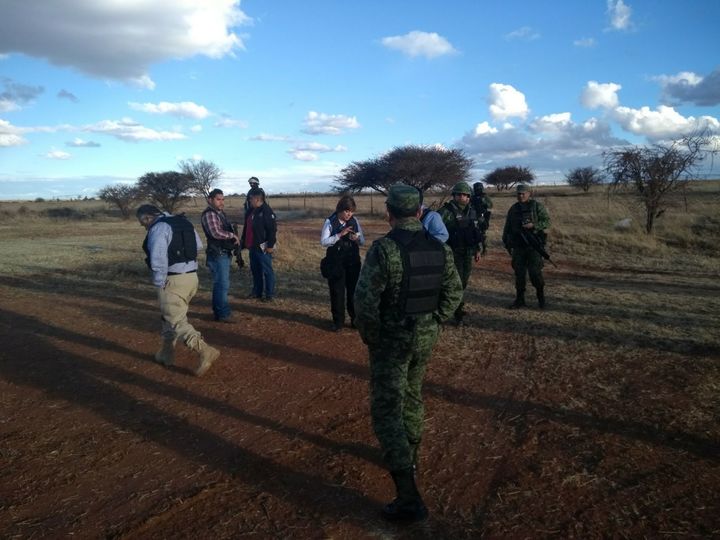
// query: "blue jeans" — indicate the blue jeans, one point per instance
point(262, 271)
point(220, 269)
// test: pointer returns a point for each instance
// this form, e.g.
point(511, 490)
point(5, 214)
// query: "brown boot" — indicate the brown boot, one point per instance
point(166, 355)
point(208, 355)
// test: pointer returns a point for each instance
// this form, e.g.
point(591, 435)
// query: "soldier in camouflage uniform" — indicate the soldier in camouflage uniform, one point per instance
point(399, 324)
point(526, 217)
point(483, 208)
point(465, 240)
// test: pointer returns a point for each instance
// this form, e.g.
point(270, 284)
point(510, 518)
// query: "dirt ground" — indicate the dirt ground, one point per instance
point(96, 440)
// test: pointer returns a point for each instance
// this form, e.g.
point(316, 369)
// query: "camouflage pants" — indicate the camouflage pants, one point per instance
point(397, 368)
point(525, 260)
point(463, 263)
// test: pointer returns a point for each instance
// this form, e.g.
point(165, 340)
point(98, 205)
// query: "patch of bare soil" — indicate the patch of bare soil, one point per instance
point(97, 440)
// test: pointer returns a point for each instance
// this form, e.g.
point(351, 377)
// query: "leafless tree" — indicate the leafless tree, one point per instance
point(204, 175)
point(655, 172)
point(585, 177)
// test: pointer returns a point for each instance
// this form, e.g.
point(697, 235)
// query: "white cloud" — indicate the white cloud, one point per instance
point(10, 135)
point(417, 43)
point(80, 143)
point(549, 142)
point(689, 87)
point(227, 122)
point(328, 124)
point(585, 42)
point(525, 33)
point(131, 131)
point(663, 123)
point(183, 109)
point(120, 40)
point(318, 147)
point(7, 106)
point(484, 128)
point(197, 128)
point(302, 155)
point(56, 154)
point(598, 94)
point(619, 13)
point(506, 102)
point(551, 123)
point(267, 137)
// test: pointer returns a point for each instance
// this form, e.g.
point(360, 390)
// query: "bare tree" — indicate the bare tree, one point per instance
point(166, 189)
point(654, 172)
point(584, 178)
point(204, 174)
point(506, 177)
point(121, 195)
point(425, 167)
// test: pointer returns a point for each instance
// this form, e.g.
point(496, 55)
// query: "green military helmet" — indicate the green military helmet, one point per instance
point(403, 198)
point(522, 188)
point(463, 188)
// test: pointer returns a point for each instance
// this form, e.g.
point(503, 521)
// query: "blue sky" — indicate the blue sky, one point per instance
point(98, 92)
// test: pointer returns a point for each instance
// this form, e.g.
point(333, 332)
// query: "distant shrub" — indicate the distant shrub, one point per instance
point(39, 199)
point(23, 210)
point(64, 213)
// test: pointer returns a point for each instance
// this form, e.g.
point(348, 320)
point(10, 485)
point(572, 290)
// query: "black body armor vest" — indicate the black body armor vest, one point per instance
point(423, 269)
point(213, 244)
point(183, 246)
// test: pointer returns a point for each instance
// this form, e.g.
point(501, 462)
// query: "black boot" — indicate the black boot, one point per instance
point(408, 505)
point(519, 299)
point(541, 297)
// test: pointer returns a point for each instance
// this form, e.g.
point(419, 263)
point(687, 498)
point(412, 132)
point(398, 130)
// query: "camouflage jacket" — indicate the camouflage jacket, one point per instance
point(377, 294)
point(520, 212)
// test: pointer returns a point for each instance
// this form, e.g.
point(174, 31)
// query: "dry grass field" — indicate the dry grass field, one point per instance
point(597, 417)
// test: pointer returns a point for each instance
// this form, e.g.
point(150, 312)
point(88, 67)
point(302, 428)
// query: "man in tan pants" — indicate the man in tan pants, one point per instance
point(171, 247)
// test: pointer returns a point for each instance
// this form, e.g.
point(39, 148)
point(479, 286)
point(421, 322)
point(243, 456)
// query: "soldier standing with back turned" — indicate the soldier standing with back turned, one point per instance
point(407, 285)
point(525, 218)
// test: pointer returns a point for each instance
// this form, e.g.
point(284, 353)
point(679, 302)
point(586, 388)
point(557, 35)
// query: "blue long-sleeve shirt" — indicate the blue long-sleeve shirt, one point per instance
point(434, 225)
point(159, 237)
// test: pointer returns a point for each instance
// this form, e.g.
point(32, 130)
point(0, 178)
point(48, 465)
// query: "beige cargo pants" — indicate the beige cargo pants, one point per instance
point(174, 301)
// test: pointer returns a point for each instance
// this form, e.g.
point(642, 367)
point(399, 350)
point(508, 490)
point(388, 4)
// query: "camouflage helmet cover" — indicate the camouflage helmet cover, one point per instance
point(461, 187)
point(522, 188)
point(403, 197)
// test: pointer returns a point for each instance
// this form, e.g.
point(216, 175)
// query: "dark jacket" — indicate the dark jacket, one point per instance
point(264, 227)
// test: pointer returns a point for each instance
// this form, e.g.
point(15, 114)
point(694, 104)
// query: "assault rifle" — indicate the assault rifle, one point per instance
point(236, 250)
point(534, 242)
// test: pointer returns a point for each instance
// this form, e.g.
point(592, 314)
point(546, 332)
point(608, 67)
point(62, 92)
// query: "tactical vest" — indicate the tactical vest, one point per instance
point(465, 233)
point(423, 268)
point(215, 245)
point(344, 247)
point(183, 245)
point(524, 213)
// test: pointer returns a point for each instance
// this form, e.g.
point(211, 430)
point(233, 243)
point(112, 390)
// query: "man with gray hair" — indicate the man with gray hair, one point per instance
point(171, 247)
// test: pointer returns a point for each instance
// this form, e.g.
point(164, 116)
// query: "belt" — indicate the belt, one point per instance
point(181, 273)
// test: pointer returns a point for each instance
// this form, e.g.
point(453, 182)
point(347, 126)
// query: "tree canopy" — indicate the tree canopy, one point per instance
point(506, 177)
point(425, 167)
point(165, 189)
point(121, 195)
